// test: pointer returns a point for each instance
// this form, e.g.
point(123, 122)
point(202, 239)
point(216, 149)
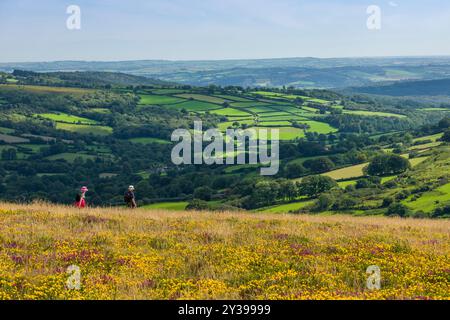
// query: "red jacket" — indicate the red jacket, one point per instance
point(81, 204)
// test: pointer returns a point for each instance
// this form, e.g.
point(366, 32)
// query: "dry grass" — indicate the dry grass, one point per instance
point(145, 254)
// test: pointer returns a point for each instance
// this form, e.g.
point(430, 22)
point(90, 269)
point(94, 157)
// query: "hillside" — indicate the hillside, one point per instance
point(296, 72)
point(439, 87)
point(84, 79)
point(123, 254)
point(109, 137)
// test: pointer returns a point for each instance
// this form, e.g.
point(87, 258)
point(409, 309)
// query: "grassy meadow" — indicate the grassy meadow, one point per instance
point(67, 118)
point(155, 254)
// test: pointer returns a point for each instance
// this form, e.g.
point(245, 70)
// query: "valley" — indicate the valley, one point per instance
point(110, 136)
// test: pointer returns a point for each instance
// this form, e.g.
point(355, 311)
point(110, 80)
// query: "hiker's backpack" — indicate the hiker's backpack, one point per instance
point(127, 197)
point(77, 198)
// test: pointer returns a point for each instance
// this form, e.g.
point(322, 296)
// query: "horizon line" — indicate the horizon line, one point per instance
point(230, 59)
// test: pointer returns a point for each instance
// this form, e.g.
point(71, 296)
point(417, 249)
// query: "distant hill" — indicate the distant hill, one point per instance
point(439, 87)
point(296, 72)
point(90, 78)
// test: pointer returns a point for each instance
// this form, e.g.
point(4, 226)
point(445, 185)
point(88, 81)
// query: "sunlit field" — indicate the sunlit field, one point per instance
point(145, 254)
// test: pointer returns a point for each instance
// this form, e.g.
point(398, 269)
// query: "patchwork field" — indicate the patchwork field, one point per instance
point(281, 109)
point(46, 89)
point(70, 157)
point(285, 133)
point(12, 139)
point(201, 97)
point(347, 173)
point(196, 106)
point(429, 200)
point(67, 118)
point(85, 129)
point(357, 170)
point(6, 130)
point(171, 206)
point(286, 208)
point(147, 99)
point(231, 112)
point(149, 140)
point(123, 254)
point(374, 114)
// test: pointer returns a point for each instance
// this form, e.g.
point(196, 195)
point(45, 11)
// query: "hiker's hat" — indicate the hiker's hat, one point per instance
point(84, 189)
point(131, 188)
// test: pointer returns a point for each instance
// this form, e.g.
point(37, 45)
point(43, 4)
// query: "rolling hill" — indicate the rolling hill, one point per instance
point(297, 72)
point(440, 87)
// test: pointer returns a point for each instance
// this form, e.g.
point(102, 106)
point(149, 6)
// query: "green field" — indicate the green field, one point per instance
point(261, 110)
point(84, 129)
point(225, 125)
point(149, 140)
point(70, 157)
point(344, 184)
point(320, 127)
point(315, 100)
point(436, 109)
point(286, 208)
point(249, 104)
point(287, 109)
point(168, 91)
point(282, 118)
point(313, 110)
point(33, 147)
point(232, 98)
point(275, 123)
point(374, 114)
point(100, 110)
point(201, 97)
point(230, 112)
point(6, 130)
point(196, 106)
point(425, 146)
point(275, 114)
point(357, 170)
point(147, 99)
point(44, 174)
point(46, 89)
point(267, 94)
point(347, 173)
point(387, 179)
point(433, 137)
point(286, 133)
point(430, 200)
point(171, 206)
point(67, 118)
point(416, 161)
point(12, 139)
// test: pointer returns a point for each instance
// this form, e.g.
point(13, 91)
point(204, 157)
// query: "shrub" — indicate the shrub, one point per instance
point(345, 203)
point(388, 164)
point(197, 205)
point(397, 209)
point(203, 193)
point(387, 202)
point(314, 185)
point(294, 170)
point(402, 195)
point(419, 215)
point(324, 202)
point(446, 136)
point(441, 212)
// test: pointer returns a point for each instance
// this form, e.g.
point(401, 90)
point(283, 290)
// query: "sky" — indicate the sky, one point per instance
point(113, 30)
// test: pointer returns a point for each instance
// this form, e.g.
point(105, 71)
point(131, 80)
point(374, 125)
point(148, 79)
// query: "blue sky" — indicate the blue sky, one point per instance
point(220, 29)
